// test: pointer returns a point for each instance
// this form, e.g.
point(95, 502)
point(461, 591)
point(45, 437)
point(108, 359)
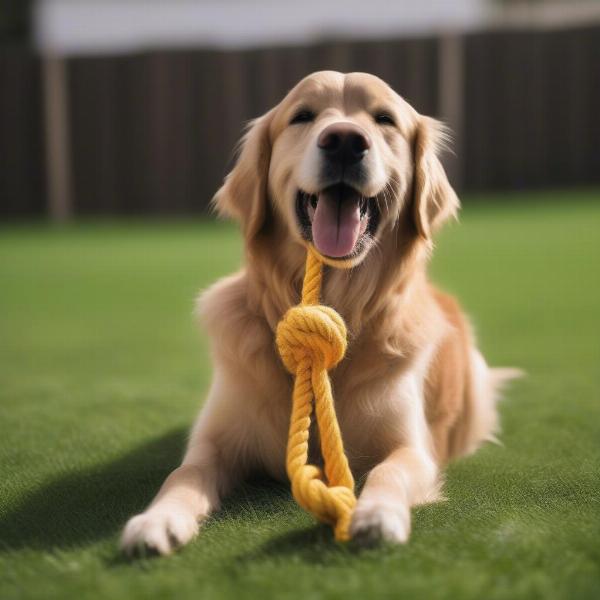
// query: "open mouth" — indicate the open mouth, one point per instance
point(338, 220)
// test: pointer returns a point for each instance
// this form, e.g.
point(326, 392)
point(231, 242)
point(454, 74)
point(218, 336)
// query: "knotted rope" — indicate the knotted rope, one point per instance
point(311, 339)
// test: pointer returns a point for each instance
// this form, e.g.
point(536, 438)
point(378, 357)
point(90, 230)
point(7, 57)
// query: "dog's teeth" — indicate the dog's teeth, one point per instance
point(363, 209)
point(310, 209)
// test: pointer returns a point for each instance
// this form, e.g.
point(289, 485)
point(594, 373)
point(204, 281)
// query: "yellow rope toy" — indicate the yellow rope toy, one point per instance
point(311, 339)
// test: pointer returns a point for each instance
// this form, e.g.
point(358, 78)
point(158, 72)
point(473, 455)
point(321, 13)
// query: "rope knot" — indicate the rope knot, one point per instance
point(316, 332)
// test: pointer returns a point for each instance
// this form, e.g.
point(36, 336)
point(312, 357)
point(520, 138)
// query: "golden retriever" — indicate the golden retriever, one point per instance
point(345, 164)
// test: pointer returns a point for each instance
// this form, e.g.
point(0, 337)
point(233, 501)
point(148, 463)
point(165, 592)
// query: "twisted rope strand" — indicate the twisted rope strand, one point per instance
point(311, 340)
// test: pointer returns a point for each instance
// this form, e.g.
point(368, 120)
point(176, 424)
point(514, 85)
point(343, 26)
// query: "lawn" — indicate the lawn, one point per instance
point(102, 372)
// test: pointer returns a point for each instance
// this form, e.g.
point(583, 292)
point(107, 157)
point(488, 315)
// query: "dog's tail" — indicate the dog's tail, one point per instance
point(501, 377)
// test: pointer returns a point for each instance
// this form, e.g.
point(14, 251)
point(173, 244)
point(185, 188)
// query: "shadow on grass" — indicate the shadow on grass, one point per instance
point(83, 507)
point(314, 544)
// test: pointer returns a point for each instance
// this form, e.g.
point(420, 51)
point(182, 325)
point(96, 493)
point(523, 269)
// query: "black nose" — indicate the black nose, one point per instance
point(344, 142)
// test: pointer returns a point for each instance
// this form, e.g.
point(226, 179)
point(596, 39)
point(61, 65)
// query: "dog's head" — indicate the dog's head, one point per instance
point(337, 165)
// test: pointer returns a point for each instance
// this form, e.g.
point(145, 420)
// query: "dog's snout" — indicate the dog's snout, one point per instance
point(344, 142)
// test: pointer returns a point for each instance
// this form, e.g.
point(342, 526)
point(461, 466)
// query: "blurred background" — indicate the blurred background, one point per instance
point(120, 107)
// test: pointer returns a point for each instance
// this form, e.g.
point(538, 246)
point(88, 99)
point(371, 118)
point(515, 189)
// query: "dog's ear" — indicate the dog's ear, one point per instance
point(243, 194)
point(434, 199)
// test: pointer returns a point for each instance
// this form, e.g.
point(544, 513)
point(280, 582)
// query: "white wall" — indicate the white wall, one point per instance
point(91, 26)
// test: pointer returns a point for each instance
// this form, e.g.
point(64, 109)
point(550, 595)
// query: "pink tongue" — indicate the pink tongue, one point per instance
point(336, 225)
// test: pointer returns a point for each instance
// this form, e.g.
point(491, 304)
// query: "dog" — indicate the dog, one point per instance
point(345, 165)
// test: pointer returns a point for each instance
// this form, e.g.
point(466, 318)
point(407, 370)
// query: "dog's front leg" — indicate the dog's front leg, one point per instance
point(193, 490)
point(408, 476)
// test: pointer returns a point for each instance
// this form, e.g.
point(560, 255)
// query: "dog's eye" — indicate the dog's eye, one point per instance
point(303, 116)
point(384, 119)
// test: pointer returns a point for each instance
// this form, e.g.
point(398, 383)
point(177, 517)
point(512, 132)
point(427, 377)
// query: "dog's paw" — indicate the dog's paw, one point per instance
point(377, 522)
point(159, 530)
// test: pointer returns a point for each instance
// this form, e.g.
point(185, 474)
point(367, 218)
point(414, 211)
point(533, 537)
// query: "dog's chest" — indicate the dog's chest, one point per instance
point(369, 397)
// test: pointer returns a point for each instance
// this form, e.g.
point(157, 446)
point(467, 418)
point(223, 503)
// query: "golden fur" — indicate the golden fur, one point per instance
point(412, 392)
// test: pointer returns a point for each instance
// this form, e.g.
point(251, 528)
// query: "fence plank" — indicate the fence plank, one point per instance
point(22, 154)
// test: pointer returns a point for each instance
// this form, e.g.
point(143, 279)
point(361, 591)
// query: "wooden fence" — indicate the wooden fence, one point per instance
point(531, 110)
point(153, 132)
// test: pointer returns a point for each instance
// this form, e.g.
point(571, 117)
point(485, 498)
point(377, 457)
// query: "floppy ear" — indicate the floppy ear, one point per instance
point(243, 195)
point(434, 199)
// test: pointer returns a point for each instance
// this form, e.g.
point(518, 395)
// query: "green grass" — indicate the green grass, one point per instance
point(102, 371)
